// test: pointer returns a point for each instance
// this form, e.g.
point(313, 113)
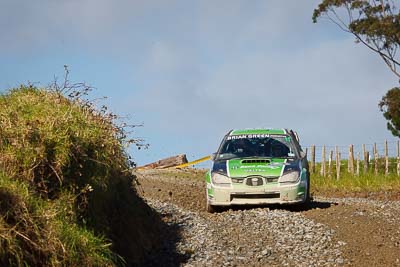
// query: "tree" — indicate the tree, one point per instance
point(390, 106)
point(376, 24)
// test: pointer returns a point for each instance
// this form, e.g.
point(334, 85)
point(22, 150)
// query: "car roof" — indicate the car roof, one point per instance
point(258, 131)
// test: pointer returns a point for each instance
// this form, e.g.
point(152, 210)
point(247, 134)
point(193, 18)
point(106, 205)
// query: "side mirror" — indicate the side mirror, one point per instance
point(213, 156)
point(303, 154)
point(297, 137)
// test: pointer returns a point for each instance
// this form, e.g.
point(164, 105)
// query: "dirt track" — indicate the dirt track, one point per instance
point(330, 232)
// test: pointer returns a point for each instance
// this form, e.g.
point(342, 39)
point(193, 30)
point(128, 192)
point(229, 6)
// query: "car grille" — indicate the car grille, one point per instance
point(256, 196)
point(254, 181)
point(252, 161)
point(272, 179)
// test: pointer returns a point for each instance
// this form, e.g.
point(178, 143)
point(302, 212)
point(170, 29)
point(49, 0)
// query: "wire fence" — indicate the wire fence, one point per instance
point(343, 149)
point(373, 158)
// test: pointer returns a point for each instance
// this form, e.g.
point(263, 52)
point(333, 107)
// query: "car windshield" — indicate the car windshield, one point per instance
point(256, 146)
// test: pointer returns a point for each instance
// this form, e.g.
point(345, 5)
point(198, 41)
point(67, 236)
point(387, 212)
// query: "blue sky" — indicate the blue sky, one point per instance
point(192, 70)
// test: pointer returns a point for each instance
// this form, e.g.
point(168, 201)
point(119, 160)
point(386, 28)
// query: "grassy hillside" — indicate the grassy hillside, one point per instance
point(66, 194)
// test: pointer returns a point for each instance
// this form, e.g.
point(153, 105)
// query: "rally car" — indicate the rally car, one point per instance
point(258, 166)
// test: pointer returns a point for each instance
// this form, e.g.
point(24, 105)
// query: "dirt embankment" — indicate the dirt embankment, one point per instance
point(330, 232)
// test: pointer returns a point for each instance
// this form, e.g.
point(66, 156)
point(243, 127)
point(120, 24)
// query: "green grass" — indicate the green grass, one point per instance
point(351, 183)
point(66, 187)
point(36, 232)
point(51, 141)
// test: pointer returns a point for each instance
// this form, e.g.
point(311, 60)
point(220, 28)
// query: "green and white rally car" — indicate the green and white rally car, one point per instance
point(258, 166)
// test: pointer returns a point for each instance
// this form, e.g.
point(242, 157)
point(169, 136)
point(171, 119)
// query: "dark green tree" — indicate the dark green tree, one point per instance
point(390, 106)
point(375, 24)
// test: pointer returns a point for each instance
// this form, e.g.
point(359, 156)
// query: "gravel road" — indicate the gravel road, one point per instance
point(330, 232)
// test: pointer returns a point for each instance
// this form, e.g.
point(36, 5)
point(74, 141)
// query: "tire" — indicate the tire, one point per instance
point(308, 198)
point(210, 208)
point(306, 203)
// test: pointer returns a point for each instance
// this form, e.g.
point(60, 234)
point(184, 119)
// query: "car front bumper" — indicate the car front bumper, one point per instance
point(273, 194)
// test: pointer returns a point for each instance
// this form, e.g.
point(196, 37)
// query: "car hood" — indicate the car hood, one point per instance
point(242, 167)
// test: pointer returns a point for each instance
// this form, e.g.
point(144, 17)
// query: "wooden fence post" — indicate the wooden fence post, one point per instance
point(376, 157)
point(386, 158)
point(312, 159)
point(337, 163)
point(351, 160)
point(365, 154)
point(358, 164)
point(323, 164)
point(330, 163)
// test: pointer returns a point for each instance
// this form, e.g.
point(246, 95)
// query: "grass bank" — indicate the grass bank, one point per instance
point(66, 192)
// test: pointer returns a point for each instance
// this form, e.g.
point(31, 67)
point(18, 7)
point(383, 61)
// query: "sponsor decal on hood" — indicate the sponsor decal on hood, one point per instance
point(245, 167)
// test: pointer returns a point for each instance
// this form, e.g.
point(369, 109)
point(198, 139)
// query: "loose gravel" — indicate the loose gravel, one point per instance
point(252, 237)
point(386, 210)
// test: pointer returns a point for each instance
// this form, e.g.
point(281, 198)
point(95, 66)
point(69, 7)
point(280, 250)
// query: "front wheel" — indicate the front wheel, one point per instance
point(210, 208)
point(307, 199)
point(308, 196)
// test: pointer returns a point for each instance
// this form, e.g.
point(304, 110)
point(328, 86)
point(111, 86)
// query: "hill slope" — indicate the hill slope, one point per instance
point(66, 192)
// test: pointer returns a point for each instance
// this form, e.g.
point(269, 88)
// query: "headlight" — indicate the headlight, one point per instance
point(289, 177)
point(220, 180)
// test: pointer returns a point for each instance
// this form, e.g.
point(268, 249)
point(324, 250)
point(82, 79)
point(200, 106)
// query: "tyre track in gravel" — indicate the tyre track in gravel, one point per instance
point(330, 232)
